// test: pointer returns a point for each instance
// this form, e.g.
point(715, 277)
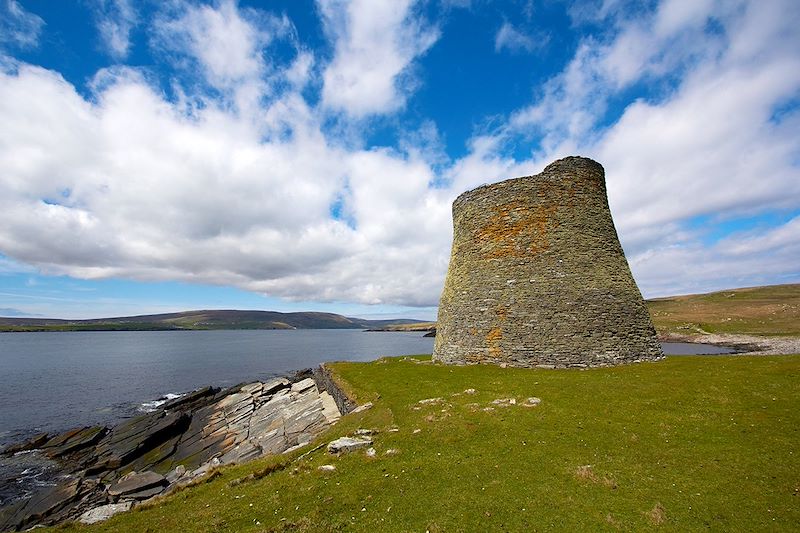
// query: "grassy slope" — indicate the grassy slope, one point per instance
point(690, 443)
point(773, 310)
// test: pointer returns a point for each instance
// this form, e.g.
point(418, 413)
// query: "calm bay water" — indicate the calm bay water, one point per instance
point(687, 348)
point(54, 381)
point(57, 380)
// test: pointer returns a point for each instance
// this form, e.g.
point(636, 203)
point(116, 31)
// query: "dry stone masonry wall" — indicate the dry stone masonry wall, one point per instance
point(537, 276)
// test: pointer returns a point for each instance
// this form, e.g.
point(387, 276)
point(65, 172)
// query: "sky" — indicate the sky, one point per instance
point(298, 155)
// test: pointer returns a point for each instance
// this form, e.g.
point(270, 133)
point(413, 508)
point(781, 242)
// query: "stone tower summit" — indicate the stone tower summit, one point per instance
point(537, 276)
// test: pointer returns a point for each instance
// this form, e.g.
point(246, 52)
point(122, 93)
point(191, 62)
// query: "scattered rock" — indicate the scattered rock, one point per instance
point(136, 482)
point(371, 452)
point(470, 391)
point(175, 475)
point(363, 432)
point(391, 451)
point(348, 444)
point(428, 401)
point(202, 470)
point(531, 402)
point(146, 494)
point(304, 385)
point(327, 468)
point(504, 402)
point(362, 408)
point(104, 512)
point(416, 431)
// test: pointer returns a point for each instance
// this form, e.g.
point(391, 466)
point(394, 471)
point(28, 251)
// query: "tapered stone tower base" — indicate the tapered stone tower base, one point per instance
point(537, 276)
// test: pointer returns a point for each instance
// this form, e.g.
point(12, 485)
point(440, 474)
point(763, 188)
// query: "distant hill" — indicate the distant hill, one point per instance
point(201, 320)
point(771, 310)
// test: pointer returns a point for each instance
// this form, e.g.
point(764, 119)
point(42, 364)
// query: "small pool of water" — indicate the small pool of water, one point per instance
point(693, 348)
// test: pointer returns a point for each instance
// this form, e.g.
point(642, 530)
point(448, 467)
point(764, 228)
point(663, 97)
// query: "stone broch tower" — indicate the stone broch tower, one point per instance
point(537, 276)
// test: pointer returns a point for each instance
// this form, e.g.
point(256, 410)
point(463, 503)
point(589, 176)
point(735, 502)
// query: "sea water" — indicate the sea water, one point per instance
point(53, 381)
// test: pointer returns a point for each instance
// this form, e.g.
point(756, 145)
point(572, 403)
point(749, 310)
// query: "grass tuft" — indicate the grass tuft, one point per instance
point(657, 515)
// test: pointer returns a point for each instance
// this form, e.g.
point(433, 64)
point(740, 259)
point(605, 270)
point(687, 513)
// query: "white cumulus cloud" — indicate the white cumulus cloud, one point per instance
point(115, 21)
point(128, 183)
point(375, 43)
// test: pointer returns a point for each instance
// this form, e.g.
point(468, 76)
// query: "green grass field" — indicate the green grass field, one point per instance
point(685, 444)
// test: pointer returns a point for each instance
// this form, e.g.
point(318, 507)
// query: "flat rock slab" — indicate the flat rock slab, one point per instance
point(138, 436)
point(303, 385)
point(136, 482)
point(193, 398)
point(44, 504)
point(329, 408)
point(348, 444)
point(37, 441)
point(146, 493)
point(271, 387)
point(362, 408)
point(104, 512)
point(73, 440)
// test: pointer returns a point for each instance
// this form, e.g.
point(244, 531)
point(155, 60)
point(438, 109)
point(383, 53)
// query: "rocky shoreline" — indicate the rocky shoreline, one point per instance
point(743, 344)
point(106, 470)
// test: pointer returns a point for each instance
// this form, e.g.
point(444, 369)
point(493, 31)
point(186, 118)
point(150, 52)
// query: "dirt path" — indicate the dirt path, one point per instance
point(748, 344)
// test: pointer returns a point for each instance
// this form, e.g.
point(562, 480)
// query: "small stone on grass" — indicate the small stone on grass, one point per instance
point(362, 408)
point(504, 402)
point(348, 444)
point(532, 402)
point(428, 401)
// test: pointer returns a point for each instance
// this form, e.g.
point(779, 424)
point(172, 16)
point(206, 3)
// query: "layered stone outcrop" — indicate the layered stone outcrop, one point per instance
point(105, 470)
point(537, 276)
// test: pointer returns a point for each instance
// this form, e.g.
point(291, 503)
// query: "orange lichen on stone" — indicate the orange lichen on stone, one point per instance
point(493, 339)
point(516, 230)
point(502, 312)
